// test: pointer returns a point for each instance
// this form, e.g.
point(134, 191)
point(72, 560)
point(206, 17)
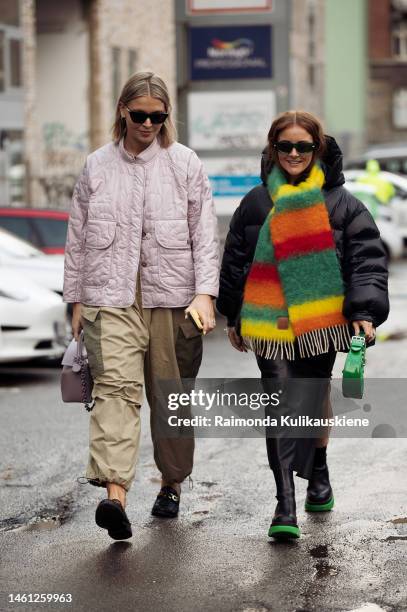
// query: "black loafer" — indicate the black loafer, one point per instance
point(167, 503)
point(110, 515)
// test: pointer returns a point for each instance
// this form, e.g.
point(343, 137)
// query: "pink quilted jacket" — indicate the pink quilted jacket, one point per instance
point(154, 212)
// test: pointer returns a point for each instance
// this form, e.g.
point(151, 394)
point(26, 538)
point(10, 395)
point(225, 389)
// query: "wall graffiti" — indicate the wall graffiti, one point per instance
point(64, 156)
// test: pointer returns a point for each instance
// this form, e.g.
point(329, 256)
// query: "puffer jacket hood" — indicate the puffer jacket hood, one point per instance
point(331, 164)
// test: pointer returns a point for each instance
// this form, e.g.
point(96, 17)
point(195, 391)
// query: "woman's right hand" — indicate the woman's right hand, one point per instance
point(77, 323)
point(235, 340)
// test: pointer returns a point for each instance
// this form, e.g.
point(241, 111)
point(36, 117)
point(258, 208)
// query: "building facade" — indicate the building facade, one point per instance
point(307, 56)
point(11, 100)
point(66, 63)
point(387, 90)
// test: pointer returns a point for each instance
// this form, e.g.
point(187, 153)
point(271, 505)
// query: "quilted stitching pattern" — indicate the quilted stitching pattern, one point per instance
point(155, 212)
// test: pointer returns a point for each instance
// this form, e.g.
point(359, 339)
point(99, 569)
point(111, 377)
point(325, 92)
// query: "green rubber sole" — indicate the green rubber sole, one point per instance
point(320, 507)
point(284, 532)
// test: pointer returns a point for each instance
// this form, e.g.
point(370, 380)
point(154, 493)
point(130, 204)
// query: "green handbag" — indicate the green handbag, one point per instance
point(353, 372)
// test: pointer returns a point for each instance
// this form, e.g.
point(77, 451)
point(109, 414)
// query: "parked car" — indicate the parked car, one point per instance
point(44, 228)
point(398, 203)
point(19, 255)
point(32, 319)
point(391, 157)
point(383, 216)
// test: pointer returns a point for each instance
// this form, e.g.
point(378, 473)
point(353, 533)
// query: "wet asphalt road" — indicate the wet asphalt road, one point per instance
point(216, 555)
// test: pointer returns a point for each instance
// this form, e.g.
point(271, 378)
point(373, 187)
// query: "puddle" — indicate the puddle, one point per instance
point(11, 524)
point(400, 524)
point(322, 567)
point(324, 570)
point(207, 483)
point(399, 521)
point(319, 552)
point(17, 485)
point(47, 518)
point(201, 512)
point(41, 524)
point(211, 497)
point(368, 607)
point(394, 538)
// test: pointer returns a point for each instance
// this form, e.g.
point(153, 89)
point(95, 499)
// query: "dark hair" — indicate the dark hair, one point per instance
point(309, 122)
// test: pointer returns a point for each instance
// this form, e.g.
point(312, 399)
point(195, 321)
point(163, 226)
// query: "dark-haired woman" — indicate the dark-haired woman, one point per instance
point(142, 250)
point(303, 266)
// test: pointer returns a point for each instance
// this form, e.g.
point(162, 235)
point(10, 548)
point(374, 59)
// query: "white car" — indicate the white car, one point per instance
point(398, 203)
point(384, 217)
point(32, 319)
point(19, 255)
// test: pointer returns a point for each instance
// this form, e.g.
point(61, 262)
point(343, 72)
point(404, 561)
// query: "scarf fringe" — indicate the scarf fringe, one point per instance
point(312, 343)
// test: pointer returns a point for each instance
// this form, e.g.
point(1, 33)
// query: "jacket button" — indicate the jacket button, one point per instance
point(143, 263)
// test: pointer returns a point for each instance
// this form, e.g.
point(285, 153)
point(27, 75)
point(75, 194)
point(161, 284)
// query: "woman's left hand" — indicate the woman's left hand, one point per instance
point(367, 327)
point(204, 306)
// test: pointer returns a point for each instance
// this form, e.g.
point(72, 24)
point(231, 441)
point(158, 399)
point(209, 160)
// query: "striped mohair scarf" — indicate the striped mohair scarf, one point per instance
point(294, 289)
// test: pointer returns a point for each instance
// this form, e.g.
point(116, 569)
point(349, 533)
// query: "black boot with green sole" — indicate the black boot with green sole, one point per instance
point(319, 492)
point(284, 524)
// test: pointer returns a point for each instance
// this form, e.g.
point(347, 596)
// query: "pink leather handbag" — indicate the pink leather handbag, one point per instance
point(76, 379)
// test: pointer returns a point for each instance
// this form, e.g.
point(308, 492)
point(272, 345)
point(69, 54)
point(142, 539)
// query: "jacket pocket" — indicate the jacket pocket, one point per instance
point(98, 252)
point(175, 262)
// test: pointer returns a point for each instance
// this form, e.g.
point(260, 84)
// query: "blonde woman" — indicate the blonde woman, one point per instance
point(142, 249)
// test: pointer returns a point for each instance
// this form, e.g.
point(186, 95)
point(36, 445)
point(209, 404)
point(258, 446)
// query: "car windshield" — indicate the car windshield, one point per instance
point(12, 246)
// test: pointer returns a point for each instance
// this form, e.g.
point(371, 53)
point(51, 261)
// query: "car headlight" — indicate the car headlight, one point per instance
point(62, 332)
point(19, 296)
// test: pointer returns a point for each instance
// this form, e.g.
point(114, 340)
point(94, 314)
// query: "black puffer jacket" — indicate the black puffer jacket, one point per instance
point(359, 248)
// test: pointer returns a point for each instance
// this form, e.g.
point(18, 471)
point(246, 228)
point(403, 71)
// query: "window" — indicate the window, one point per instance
point(400, 108)
point(399, 40)
point(132, 61)
point(116, 78)
point(15, 62)
point(311, 47)
point(10, 12)
point(2, 62)
point(10, 58)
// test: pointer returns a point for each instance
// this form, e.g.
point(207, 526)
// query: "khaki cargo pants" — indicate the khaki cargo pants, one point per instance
point(126, 347)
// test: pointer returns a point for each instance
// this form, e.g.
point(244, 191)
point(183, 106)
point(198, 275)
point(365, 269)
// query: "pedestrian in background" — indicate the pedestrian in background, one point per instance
point(141, 250)
point(303, 259)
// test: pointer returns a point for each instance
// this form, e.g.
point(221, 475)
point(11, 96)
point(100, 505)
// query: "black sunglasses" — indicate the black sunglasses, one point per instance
point(141, 116)
point(286, 146)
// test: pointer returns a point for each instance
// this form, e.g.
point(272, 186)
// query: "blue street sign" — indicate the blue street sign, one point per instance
point(229, 186)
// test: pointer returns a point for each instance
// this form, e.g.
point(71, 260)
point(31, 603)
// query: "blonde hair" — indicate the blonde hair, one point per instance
point(145, 84)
